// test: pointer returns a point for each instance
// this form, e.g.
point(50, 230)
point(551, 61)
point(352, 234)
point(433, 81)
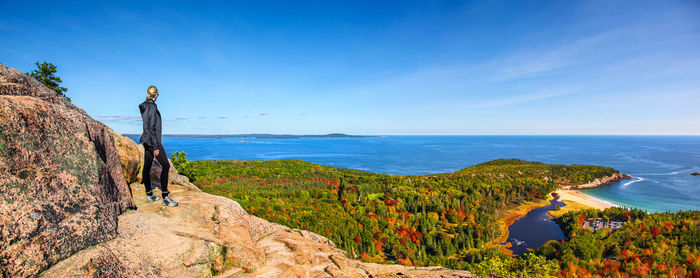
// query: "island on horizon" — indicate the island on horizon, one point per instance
point(263, 136)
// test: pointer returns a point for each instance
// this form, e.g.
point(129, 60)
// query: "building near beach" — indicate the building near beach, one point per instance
point(595, 224)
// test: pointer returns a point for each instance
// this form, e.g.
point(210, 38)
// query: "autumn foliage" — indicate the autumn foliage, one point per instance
point(441, 219)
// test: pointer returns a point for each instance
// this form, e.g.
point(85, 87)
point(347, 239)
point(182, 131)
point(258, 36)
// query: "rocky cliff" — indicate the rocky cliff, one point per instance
point(70, 192)
point(600, 181)
point(62, 184)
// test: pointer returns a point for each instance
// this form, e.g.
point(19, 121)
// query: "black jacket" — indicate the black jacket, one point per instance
point(151, 124)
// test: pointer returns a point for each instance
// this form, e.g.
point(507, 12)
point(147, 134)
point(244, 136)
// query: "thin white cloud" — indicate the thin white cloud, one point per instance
point(119, 117)
point(533, 62)
point(520, 99)
point(202, 117)
point(222, 117)
point(458, 79)
point(182, 117)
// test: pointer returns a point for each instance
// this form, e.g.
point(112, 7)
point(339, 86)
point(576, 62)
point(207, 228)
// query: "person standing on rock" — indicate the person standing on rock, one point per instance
point(152, 147)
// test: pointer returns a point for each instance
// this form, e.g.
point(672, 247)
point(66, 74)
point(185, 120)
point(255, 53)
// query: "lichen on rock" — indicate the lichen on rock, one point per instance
point(61, 180)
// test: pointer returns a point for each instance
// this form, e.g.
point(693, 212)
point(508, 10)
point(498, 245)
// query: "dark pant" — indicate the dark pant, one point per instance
point(165, 165)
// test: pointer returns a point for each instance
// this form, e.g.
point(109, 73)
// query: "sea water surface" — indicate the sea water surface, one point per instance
point(661, 164)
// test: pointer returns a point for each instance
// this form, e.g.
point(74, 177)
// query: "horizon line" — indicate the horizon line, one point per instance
point(374, 135)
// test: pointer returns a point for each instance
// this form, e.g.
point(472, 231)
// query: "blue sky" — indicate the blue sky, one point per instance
point(371, 67)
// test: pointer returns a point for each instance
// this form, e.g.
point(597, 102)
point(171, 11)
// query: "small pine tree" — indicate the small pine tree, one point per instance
point(182, 165)
point(45, 75)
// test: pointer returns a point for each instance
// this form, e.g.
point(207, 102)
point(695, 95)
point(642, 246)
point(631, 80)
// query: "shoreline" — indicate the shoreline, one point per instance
point(577, 196)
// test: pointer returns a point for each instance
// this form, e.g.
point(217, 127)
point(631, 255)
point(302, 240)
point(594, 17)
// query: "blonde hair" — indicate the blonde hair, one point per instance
point(151, 92)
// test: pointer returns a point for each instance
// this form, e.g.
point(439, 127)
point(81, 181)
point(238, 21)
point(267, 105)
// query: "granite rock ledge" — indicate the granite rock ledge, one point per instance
point(73, 206)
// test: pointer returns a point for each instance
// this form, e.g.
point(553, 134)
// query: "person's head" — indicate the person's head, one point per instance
point(152, 93)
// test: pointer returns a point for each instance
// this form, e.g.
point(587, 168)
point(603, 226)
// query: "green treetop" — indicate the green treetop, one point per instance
point(45, 74)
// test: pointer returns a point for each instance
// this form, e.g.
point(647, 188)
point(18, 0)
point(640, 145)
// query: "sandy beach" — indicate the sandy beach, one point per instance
point(579, 197)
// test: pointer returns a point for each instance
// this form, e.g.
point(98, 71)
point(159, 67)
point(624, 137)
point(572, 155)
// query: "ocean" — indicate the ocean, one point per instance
point(661, 165)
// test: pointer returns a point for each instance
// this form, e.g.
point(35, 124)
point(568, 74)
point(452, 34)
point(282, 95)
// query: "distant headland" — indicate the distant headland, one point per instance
point(263, 136)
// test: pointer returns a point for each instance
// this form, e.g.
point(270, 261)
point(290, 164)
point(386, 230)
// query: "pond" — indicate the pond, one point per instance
point(534, 229)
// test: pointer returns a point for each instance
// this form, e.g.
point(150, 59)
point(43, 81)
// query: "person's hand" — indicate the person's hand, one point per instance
point(156, 152)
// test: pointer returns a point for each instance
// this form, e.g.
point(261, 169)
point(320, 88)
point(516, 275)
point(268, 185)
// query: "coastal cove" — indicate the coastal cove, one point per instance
point(530, 225)
point(661, 164)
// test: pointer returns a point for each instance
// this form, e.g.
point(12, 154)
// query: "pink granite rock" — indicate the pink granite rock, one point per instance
point(64, 200)
point(61, 182)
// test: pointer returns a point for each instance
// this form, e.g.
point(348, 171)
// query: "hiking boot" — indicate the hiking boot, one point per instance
point(151, 198)
point(169, 202)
